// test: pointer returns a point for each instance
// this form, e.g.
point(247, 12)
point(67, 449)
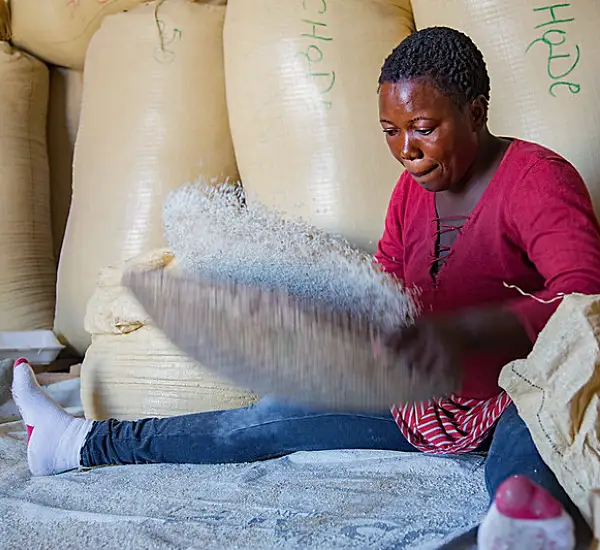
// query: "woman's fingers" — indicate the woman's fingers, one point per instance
point(424, 347)
point(400, 340)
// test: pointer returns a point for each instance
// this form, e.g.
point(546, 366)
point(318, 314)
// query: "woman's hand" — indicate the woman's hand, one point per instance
point(439, 345)
point(432, 346)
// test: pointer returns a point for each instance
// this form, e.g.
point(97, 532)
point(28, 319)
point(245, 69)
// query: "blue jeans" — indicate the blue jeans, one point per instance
point(270, 429)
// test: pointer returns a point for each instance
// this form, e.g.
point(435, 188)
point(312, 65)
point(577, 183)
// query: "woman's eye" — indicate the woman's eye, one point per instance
point(390, 132)
point(424, 131)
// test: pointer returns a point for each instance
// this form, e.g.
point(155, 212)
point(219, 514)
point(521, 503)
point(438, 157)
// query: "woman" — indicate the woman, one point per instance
point(471, 212)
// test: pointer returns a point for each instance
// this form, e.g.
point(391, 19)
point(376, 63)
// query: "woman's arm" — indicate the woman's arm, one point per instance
point(490, 329)
point(442, 343)
point(552, 220)
point(390, 250)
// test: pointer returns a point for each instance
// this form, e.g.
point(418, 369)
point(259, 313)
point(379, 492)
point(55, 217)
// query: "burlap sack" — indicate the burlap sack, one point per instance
point(66, 87)
point(59, 32)
point(4, 22)
point(27, 264)
point(153, 117)
point(557, 392)
point(302, 98)
point(131, 370)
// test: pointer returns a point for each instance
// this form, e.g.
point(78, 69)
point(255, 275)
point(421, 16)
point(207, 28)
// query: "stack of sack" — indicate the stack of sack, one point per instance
point(303, 111)
point(127, 155)
point(284, 92)
point(131, 370)
point(174, 59)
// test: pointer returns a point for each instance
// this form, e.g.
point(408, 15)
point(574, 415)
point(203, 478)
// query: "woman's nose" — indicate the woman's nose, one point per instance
point(410, 150)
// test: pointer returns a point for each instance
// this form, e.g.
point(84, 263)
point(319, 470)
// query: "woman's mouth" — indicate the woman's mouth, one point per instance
point(423, 173)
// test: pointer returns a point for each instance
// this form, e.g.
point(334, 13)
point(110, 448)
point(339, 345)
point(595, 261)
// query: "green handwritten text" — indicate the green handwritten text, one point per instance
point(317, 37)
point(165, 53)
point(559, 65)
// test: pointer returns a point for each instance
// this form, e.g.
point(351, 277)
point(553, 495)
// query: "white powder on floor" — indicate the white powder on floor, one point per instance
point(321, 500)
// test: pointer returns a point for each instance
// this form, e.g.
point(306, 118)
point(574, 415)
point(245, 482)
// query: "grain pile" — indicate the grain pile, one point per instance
point(213, 236)
point(312, 500)
point(277, 306)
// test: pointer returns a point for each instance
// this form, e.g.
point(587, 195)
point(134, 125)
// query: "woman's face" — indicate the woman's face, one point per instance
point(434, 139)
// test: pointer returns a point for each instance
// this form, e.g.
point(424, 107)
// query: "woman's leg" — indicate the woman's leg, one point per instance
point(513, 453)
point(265, 430)
point(268, 429)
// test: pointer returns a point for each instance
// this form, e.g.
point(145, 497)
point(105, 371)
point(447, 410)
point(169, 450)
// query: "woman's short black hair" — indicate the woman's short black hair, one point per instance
point(446, 57)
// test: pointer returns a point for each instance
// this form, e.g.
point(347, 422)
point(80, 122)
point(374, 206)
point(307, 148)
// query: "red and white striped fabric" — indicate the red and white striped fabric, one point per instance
point(449, 424)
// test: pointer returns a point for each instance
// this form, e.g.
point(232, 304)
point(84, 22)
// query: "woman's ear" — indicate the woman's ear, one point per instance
point(478, 109)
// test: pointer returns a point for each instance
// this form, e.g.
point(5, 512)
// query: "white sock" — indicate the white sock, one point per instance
point(55, 438)
point(499, 532)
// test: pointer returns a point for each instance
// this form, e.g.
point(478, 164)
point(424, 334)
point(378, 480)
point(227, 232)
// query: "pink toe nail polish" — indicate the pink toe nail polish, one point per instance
point(29, 432)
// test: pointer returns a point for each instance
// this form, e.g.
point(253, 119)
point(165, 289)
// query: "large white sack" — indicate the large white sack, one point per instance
point(153, 117)
point(302, 97)
point(132, 370)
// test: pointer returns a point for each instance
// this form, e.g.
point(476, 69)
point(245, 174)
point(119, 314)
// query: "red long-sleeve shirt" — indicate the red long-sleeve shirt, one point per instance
point(534, 228)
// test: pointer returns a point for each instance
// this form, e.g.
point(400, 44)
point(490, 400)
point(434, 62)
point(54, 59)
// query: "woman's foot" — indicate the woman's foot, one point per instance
point(54, 437)
point(524, 516)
